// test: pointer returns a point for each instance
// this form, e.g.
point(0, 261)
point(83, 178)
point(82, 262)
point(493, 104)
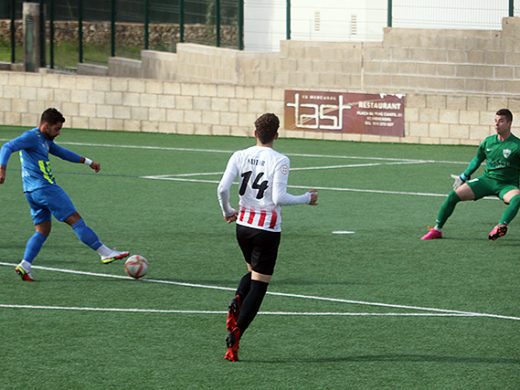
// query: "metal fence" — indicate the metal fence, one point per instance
point(92, 31)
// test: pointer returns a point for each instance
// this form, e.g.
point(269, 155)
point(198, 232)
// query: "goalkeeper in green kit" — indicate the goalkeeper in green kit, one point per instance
point(501, 178)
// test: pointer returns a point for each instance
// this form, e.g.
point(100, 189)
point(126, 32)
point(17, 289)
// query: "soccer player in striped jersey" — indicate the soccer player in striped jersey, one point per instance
point(45, 197)
point(263, 175)
point(501, 178)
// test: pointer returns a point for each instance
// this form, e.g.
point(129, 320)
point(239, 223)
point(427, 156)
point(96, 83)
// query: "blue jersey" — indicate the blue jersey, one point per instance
point(34, 150)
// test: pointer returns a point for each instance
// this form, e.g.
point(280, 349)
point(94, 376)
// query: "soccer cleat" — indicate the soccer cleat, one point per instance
point(432, 234)
point(233, 311)
point(498, 231)
point(25, 275)
point(115, 255)
point(232, 341)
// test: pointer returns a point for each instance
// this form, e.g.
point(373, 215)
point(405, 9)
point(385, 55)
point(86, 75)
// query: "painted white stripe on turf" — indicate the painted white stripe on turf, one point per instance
point(289, 295)
point(341, 189)
point(222, 312)
point(197, 150)
point(314, 168)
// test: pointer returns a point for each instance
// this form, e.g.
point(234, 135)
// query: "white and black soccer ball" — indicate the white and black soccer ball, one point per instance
point(136, 266)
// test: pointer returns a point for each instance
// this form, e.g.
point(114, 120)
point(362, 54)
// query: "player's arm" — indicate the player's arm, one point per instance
point(2, 174)
point(5, 153)
point(473, 165)
point(281, 196)
point(223, 191)
point(69, 155)
point(25, 141)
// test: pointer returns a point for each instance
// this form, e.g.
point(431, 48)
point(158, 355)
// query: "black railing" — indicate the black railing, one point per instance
point(94, 31)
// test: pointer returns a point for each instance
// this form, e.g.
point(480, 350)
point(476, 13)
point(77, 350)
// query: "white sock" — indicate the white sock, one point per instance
point(26, 265)
point(104, 250)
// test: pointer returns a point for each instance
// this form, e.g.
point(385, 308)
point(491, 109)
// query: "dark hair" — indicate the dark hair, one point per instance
point(267, 127)
point(52, 116)
point(505, 112)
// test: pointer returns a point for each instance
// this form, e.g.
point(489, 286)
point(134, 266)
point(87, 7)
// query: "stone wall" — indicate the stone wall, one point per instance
point(129, 34)
point(406, 61)
point(130, 104)
point(454, 82)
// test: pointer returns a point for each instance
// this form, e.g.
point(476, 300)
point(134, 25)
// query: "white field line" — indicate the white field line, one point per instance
point(203, 150)
point(222, 312)
point(319, 167)
point(341, 189)
point(315, 168)
point(360, 165)
point(279, 294)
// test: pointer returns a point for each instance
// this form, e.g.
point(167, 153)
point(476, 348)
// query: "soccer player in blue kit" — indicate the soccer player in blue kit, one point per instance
point(44, 196)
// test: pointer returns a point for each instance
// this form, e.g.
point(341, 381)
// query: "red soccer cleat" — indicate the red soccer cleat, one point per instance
point(232, 341)
point(25, 275)
point(233, 312)
point(497, 232)
point(432, 234)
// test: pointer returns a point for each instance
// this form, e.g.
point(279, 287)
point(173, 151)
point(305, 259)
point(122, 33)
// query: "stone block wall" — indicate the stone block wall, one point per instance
point(132, 104)
point(406, 61)
point(454, 82)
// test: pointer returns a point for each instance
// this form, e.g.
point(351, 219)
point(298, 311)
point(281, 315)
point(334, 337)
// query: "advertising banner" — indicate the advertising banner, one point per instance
point(345, 112)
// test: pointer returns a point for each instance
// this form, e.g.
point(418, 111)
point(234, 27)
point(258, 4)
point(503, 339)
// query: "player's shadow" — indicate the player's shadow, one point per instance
point(391, 358)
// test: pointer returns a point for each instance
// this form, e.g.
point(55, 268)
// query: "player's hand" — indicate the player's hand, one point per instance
point(458, 180)
point(314, 197)
point(231, 218)
point(2, 175)
point(95, 166)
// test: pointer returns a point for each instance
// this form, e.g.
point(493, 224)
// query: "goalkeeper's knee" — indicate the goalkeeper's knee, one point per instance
point(453, 198)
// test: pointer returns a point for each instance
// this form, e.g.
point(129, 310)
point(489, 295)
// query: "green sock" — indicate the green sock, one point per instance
point(511, 210)
point(446, 209)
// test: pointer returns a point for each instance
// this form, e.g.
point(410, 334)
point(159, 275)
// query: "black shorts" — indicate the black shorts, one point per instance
point(260, 248)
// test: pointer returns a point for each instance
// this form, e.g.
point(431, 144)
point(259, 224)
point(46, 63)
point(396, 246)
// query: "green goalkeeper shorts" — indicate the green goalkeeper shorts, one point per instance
point(486, 186)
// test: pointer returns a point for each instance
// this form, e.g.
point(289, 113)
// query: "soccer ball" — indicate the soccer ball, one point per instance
point(136, 266)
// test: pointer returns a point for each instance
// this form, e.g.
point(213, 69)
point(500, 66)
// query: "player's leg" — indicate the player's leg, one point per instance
point(463, 193)
point(472, 190)
point(87, 236)
point(263, 260)
point(253, 300)
point(234, 306)
point(245, 239)
point(511, 197)
point(83, 232)
point(63, 210)
point(260, 249)
point(42, 225)
point(244, 236)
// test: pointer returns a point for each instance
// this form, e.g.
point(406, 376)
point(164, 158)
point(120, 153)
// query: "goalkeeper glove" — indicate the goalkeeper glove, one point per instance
point(459, 180)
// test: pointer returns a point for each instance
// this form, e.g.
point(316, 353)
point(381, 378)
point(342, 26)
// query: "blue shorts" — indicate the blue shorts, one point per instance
point(47, 201)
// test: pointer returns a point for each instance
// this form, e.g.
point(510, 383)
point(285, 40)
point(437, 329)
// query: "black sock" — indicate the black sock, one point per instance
point(244, 285)
point(251, 304)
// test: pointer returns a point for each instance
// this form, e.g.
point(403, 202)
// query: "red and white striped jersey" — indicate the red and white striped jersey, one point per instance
point(262, 174)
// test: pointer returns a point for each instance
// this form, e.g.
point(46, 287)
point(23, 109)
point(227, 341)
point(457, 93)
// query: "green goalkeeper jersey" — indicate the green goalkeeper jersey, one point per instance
point(502, 159)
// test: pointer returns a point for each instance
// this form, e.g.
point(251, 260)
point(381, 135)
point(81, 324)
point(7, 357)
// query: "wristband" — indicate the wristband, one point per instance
point(88, 161)
point(463, 177)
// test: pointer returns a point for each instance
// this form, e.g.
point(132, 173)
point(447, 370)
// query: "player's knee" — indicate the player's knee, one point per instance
point(43, 228)
point(257, 276)
point(453, 197)
point(515, 200)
